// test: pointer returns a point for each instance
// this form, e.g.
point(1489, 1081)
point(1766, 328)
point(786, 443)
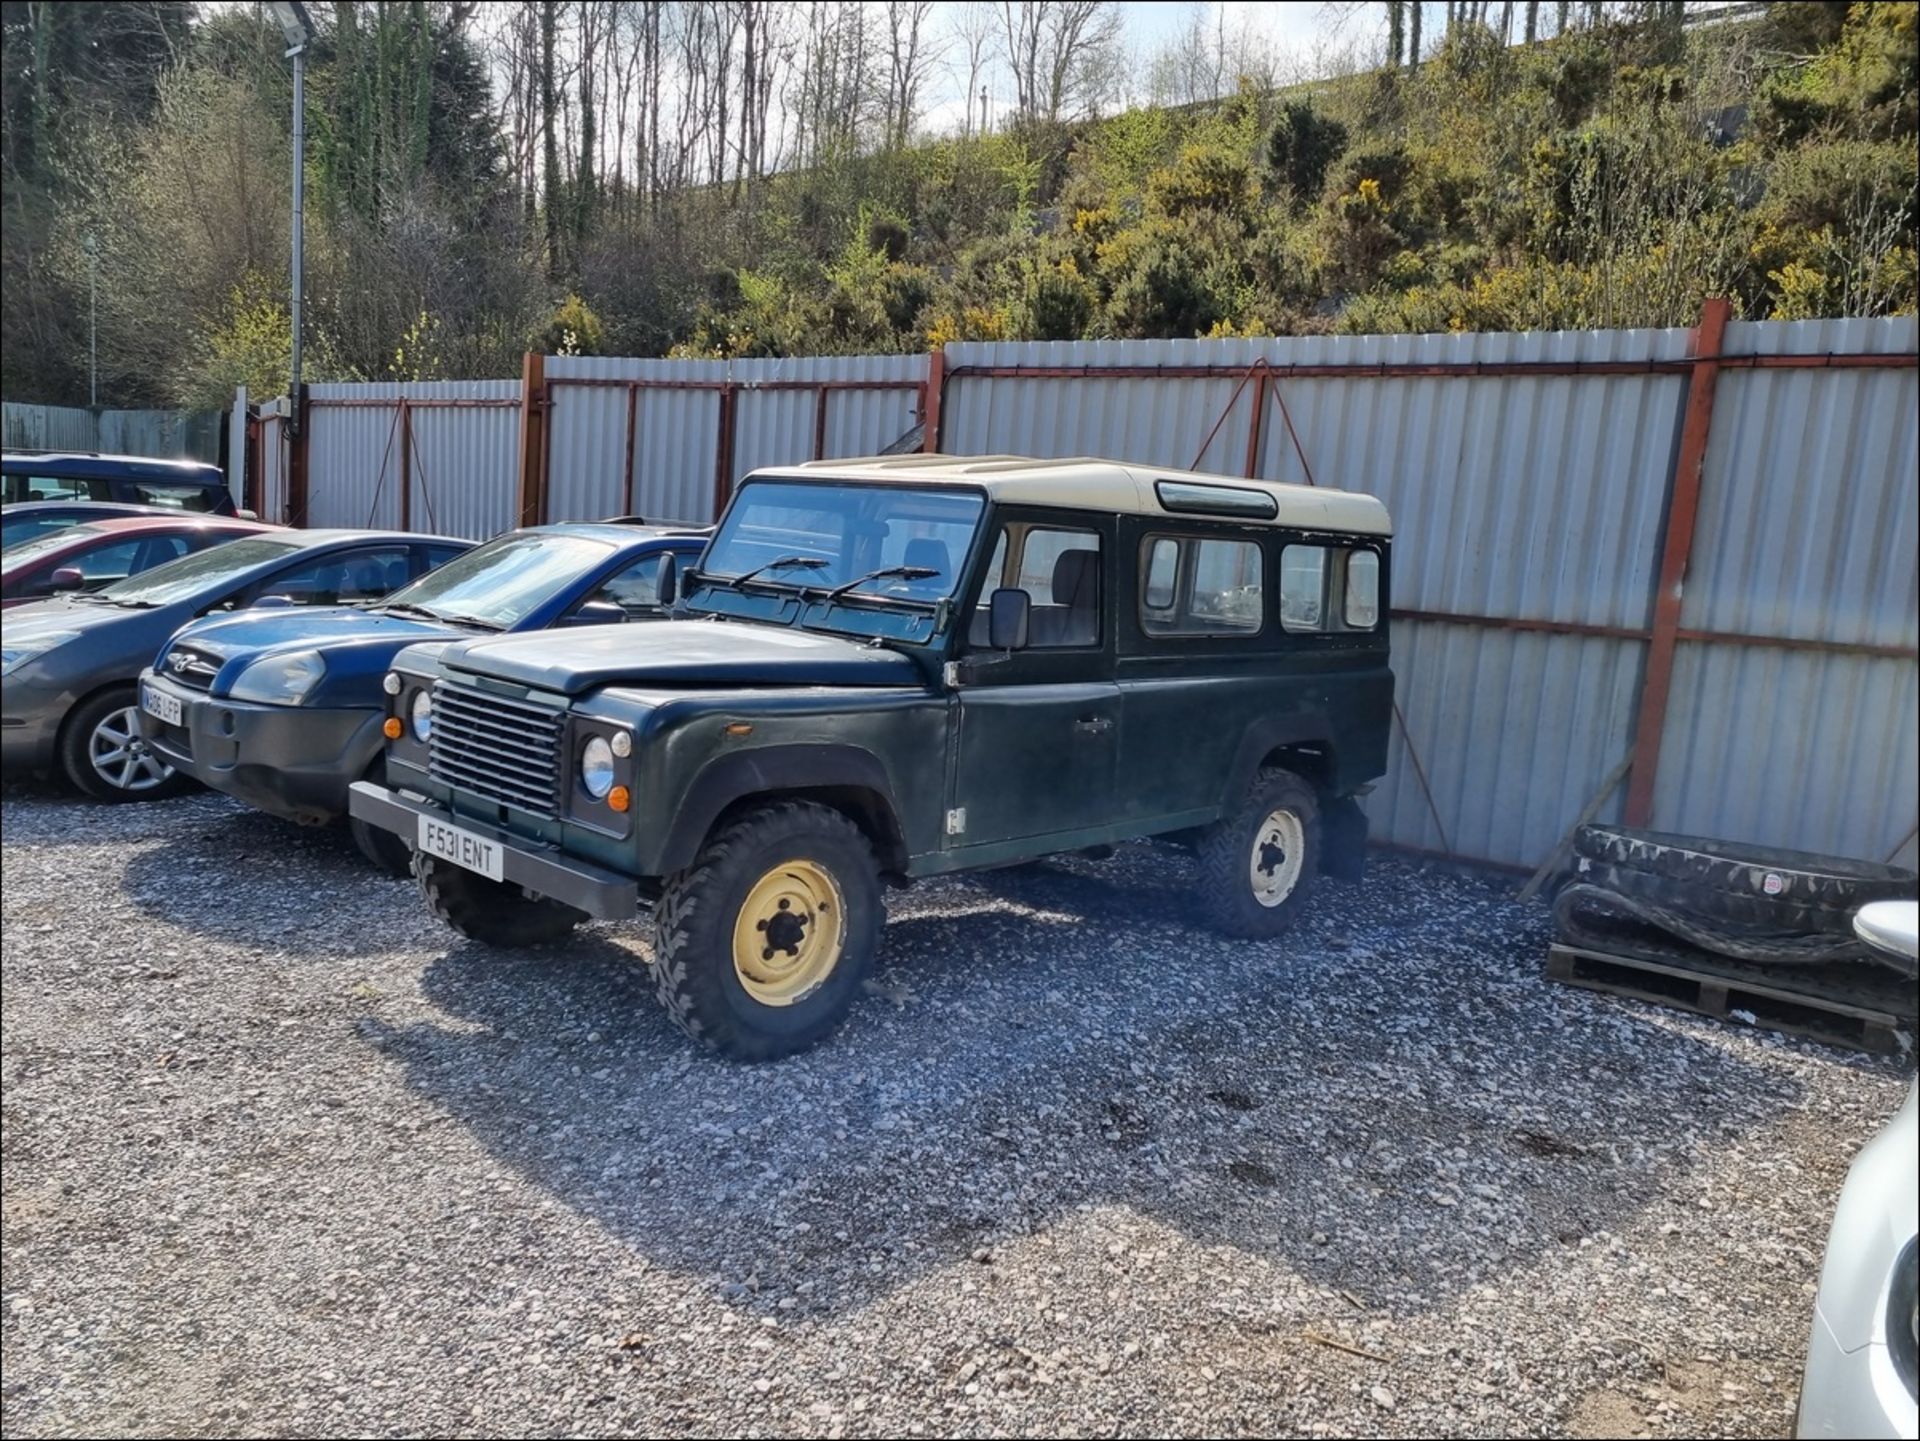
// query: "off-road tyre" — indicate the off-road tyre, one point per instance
point(121, 705)
point(695, 971)
point(1757, 886)
point(494, 913)
point(1226, 853)
point(387, 850)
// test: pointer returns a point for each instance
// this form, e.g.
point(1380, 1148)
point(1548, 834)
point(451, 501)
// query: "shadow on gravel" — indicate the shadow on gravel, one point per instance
point(307, 890)
point(1391, 1101)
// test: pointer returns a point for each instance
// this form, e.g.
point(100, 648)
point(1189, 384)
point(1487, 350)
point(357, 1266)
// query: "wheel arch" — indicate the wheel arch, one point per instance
point(846, 778)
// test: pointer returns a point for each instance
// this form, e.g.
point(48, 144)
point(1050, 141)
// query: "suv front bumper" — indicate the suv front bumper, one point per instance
point(606, 895)
point(295, 762)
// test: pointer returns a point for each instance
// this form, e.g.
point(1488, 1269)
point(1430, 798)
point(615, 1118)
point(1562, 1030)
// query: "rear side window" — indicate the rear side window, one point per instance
point(177, 497)
point(1329, 588)
point(54, 487)
point(1194, 585)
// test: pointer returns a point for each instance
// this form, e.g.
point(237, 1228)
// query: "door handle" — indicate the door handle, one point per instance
point(1093, 724)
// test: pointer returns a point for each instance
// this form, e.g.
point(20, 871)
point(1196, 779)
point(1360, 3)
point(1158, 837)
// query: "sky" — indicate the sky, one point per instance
point(1294, 28)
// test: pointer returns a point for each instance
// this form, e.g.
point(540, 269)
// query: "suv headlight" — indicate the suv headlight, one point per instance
point(14, 656)
point(280, 680)
point(596, 767)
point(420, 713)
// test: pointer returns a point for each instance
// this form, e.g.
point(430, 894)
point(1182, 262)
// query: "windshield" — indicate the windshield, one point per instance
point(503, 581)
point(26, 551)
point(782, 528)
point(191, 574)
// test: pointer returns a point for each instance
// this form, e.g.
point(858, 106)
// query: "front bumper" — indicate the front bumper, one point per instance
point(605, 894)
point(1853, 1393)
point(290, 761)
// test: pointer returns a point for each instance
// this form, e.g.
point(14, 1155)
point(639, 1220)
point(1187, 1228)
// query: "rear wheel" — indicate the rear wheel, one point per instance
point(103, 753)
point(492, 912)
point(1258, 863)
point(761, 944)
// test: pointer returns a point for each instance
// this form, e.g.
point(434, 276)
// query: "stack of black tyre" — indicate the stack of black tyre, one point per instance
point(1662, 896)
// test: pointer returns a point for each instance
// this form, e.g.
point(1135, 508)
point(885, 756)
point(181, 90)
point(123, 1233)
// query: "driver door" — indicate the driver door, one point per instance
point(1037, 732)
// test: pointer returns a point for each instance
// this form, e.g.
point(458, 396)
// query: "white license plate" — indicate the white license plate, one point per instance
point(159, 703)
point(463, 848)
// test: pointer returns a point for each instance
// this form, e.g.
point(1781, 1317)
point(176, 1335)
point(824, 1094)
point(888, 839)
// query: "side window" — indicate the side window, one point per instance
point(1193, 585)
point(48, 487)
point(341, 579)
point(161, 549)
point(636, 590)
point(1060, 569)
point(1363, 589)
point(179, 497)
point(1303, 587)
point(109, 562)
point(439, 555)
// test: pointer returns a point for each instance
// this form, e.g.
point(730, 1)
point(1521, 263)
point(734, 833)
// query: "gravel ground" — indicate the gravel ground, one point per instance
point(282, 1155)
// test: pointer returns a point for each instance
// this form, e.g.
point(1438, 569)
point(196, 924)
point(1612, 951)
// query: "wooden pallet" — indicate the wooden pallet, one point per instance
point(1839, 1009)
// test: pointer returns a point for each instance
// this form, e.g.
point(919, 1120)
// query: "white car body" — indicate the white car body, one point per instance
point(1860, 1373)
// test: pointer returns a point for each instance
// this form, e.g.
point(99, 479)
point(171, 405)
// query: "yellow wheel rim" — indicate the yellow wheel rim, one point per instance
point(1279, 848)
point(789, 933)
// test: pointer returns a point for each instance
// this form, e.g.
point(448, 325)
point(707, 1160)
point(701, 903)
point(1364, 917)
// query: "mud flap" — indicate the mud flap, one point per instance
point(1343, 838)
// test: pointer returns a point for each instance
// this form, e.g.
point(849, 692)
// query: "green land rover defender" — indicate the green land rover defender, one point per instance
point(893, 668)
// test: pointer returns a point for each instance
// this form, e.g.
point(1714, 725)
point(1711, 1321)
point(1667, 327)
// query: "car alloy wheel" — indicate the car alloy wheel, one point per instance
point(121, 757)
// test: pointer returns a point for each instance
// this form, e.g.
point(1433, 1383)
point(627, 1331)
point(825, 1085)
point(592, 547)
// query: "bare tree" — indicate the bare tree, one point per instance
point(975, 33)
point(911, 52)
point(1064, 54)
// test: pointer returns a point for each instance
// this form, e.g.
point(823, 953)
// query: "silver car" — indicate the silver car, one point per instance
point(1860, 1376)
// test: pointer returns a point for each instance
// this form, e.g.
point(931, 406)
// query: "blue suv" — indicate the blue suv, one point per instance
point(283, 710)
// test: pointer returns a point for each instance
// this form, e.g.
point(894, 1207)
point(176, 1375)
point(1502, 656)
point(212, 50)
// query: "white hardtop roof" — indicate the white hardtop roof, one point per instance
point(1085, 483)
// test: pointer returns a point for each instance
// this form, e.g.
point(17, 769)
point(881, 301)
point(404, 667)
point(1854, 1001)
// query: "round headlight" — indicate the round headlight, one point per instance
point(391, 685)
point(622, 743)
point(596, 767)
point(422, 714)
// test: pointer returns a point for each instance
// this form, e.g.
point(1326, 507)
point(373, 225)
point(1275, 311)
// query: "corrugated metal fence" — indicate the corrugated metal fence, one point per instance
point(164, 434)
point(1694, 548)
point(1533, 481)
point(437, 456)
point(668, 438)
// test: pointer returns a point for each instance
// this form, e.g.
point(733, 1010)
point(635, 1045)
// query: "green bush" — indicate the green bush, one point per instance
point(1301, 148)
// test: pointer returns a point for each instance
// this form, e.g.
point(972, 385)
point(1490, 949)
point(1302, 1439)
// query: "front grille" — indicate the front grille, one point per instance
point(190, 667)
point(494, 746)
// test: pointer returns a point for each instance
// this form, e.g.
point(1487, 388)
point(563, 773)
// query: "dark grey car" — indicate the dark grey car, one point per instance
point(71, 665)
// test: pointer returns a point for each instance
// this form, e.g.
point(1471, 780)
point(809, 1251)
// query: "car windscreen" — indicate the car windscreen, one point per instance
point(25, 546)
point(824, 535)
point(504, 580)
point(191, 574)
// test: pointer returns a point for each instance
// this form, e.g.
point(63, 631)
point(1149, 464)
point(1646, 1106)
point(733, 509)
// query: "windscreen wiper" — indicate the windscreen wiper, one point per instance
point(473, 620)
point(407, 607)
point(905, 572)
point(785, 562)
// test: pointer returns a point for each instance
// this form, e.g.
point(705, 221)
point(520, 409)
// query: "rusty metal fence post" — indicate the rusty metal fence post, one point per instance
point(533, 431)
point(1683, 511)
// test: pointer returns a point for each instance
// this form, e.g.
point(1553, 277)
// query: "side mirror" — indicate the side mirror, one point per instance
point(271, 602)
point(597, 612)
point(244, 514)
point(68, 577)
point(669, 579)
point(1007, 614)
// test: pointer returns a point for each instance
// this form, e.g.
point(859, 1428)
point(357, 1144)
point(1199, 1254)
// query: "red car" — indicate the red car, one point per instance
point(86, 557)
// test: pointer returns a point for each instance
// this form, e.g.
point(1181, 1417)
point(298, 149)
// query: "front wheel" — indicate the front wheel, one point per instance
point(103, 753)
point(761, 944)
point(492, 912)
point(1259, 861)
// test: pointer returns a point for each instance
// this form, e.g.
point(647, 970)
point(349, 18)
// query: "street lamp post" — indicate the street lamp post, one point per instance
point(91, 244)
point(298, 29)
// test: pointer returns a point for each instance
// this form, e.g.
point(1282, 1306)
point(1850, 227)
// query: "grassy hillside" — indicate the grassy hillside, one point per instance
point(1610, 177)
